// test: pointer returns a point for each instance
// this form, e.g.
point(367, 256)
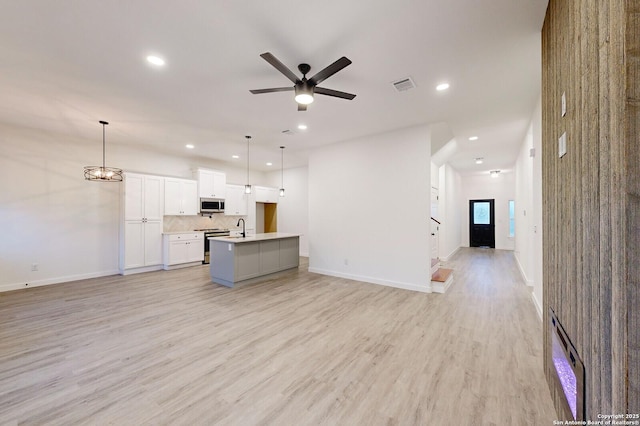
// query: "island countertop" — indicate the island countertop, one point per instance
point(254, 238)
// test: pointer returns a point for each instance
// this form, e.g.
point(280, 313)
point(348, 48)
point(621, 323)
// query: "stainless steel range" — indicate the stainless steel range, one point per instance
point(211, 232)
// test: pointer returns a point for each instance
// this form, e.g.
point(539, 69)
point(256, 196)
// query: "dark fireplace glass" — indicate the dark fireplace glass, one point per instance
point(569, 369)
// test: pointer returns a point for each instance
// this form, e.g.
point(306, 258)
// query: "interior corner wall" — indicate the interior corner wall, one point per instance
point(369, 218)
point(435, 176)
point(481, 187)
point(590, 196)
point(293, 208)
point(451, 210)
point(528, 232)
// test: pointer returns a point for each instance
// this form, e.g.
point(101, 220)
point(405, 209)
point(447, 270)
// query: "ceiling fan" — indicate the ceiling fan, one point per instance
point(306, 88)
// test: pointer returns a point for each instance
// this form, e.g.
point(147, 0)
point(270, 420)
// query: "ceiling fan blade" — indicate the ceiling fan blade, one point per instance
point(330, 70)
point(302, 107)
point(275, 89)
point(280, 66)
point(334, 93)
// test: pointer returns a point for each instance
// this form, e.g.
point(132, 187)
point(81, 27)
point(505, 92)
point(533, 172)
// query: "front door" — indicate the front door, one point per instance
point(482, 224)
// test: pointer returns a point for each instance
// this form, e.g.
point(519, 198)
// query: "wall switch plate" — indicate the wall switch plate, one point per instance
point(562, 145)
point(564, 104)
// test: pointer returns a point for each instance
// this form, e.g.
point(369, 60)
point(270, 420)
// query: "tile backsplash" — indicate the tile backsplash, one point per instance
point(189, 223)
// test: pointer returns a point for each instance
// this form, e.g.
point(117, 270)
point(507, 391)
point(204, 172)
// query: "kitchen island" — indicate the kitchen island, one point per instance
point(237, 260)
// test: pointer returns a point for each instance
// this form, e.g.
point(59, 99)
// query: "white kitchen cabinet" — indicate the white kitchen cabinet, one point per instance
point(143, 197)
point(266, 195)
point(183, 249)
point(211, 184)
point(141, 223)
point(235, 203)
point(180, 197)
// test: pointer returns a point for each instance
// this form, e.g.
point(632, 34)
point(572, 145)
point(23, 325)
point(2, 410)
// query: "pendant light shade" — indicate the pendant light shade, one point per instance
point(282, 171)
point(103, 173)
point(247, 187)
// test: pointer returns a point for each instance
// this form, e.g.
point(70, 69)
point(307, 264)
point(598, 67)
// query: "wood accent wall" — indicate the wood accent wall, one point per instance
point(591, 196)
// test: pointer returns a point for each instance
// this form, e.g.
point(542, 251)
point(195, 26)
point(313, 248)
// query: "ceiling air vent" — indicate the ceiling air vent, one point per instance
point(404, 84)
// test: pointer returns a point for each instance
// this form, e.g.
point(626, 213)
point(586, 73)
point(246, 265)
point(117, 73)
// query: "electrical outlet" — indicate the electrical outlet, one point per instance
point(34, 267)
point(346, 262)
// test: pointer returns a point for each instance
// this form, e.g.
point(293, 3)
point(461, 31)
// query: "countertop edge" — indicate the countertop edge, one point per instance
point(255, 238)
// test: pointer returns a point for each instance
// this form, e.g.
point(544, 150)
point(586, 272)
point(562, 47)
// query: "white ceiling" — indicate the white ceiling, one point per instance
point(67, 64)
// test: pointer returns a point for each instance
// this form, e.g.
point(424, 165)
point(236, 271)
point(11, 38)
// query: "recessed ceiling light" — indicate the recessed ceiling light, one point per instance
point(479, 160)
point(269, 164)
point(235, 156)
point(473, 138)
point(189, 146)
point(495, 173)
point(302, 126)
point(442, 86)
point(155, 60)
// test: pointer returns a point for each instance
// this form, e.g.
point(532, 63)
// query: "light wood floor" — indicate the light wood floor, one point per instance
point(304, 349)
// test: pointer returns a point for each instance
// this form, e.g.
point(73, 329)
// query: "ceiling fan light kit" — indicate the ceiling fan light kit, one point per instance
point(306, 88)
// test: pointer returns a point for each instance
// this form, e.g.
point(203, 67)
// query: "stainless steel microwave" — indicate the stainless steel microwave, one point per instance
point(211, 205)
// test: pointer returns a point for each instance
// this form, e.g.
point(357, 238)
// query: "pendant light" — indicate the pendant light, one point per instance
point(282, 171)
point(103, 173)
point(247, 187)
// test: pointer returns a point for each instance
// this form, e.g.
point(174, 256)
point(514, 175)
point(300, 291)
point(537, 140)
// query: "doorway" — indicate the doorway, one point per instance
point(482, 229)
point(266, 217)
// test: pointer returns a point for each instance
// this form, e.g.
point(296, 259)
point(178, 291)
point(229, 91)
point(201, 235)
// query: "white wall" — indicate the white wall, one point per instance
point(501, 189)
point(451, 211)
point(293, 208)
point(529, 198)
point(352, 233)
point(51, 216)
point(523, 210)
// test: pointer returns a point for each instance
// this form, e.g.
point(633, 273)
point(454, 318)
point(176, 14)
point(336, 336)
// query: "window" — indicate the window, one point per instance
point(481, 213)
point(512, 218)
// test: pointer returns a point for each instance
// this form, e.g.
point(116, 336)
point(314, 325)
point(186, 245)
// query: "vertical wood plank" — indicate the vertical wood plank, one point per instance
point(632, 182)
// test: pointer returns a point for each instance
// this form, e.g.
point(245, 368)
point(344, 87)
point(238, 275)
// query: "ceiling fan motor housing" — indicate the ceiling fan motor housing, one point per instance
point(304, 69)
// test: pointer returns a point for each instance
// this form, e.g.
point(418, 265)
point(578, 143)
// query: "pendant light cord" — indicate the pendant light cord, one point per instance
point(248, 139)
point(104, 162)
point(282, 167)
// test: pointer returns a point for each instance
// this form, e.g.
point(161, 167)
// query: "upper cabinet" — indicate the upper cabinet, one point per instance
point(236, 202)
point(211, 184)
point(180, 197)
point(143, 197)
point(266, 195)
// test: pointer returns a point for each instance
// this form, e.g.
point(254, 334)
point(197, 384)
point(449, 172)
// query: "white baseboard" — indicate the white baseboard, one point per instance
point(181, 265)
point(426, 288)
point(140, 270)
point(56, 280)
point(527, 281)
point(537, 304)
point(450, 255)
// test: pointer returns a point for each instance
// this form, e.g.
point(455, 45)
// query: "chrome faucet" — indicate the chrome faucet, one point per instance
point(244, 233)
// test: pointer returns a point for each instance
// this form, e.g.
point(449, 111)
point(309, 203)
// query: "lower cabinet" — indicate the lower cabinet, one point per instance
point(142, 246)
point(184, 249)
point(232, 263)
